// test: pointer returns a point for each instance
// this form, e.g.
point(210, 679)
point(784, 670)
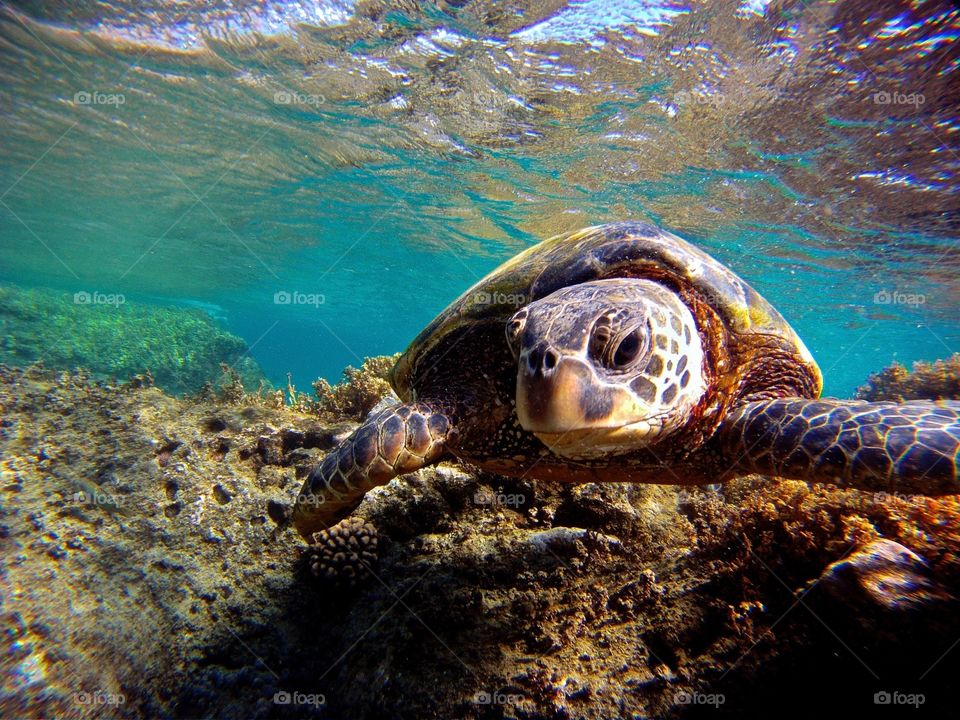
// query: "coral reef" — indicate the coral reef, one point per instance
point(360, 390)
point(149, 570)
point(936, 380)
point(344, 554)
point(110, 336)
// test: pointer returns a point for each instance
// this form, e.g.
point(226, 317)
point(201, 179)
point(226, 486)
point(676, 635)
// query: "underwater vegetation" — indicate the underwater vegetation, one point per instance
point(350, 399)
point(150, 570)
point(936, 380)
point(358, 392)
point(111, 336)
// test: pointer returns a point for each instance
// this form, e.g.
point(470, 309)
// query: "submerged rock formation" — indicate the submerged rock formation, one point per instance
point(111, 336)
point(148, 570)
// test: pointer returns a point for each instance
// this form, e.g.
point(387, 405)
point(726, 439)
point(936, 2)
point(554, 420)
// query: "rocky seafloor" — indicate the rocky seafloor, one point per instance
point(148, 570)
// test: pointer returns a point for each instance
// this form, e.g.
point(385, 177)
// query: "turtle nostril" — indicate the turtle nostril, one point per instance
point(549, 360)
point(542, 360)
point(533, 361)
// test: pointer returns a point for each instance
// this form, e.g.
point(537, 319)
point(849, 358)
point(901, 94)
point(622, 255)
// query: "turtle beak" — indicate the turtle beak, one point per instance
point(562, 402)
point(549, 390)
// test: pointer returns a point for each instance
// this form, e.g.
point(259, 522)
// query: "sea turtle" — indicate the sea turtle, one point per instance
point(623, 353)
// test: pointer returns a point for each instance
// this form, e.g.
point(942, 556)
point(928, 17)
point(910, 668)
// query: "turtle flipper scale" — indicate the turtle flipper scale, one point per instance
point(909, 447)
point(394, 441)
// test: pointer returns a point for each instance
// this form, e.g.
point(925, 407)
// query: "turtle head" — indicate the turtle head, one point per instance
point(606, 367)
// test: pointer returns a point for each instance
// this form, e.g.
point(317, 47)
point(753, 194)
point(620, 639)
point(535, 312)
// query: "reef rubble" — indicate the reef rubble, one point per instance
point(149, 570)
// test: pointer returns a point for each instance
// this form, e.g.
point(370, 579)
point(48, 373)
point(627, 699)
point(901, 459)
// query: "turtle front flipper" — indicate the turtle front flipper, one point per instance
point(394, 441)
point(908, 447)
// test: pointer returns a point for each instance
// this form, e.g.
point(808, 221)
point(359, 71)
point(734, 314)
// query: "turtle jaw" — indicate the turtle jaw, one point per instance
point(575, 414)
point(596, 442)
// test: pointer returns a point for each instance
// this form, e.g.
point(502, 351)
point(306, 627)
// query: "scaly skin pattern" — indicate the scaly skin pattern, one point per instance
point(910, 447)
point(395, 441)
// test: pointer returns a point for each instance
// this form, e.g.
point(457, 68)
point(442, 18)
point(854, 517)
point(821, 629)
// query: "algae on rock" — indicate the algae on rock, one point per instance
point(360, 390)
point(188, 595)
point(182, 348)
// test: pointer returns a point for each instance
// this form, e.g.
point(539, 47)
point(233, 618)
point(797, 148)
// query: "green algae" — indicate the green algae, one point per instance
point(112, 336)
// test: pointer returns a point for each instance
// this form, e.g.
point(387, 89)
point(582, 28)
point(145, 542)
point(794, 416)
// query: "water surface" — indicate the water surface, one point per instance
point(373, 160)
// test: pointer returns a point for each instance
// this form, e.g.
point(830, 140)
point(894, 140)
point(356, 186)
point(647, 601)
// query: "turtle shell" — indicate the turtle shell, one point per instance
point(752, 352)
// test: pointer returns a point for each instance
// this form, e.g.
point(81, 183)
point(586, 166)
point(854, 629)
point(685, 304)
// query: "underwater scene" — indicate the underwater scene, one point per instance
point(480, 359)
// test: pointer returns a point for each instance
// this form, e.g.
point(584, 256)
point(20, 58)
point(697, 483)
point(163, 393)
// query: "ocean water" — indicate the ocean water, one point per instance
point(367, 163)
point(294, 186)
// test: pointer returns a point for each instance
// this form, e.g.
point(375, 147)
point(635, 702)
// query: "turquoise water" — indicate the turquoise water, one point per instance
point(375, 161)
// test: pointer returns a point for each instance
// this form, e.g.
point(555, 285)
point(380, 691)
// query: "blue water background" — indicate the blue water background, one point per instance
point(417, 160)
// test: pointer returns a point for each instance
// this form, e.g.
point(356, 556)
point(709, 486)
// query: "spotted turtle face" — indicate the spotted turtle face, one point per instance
point(606, 367)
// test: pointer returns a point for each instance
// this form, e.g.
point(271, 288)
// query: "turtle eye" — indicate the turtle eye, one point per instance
point(628, 349)
point(617, 352)
point(514, 329)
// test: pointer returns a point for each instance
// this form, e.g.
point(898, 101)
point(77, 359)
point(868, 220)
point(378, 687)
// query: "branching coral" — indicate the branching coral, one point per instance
point(360, 390)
